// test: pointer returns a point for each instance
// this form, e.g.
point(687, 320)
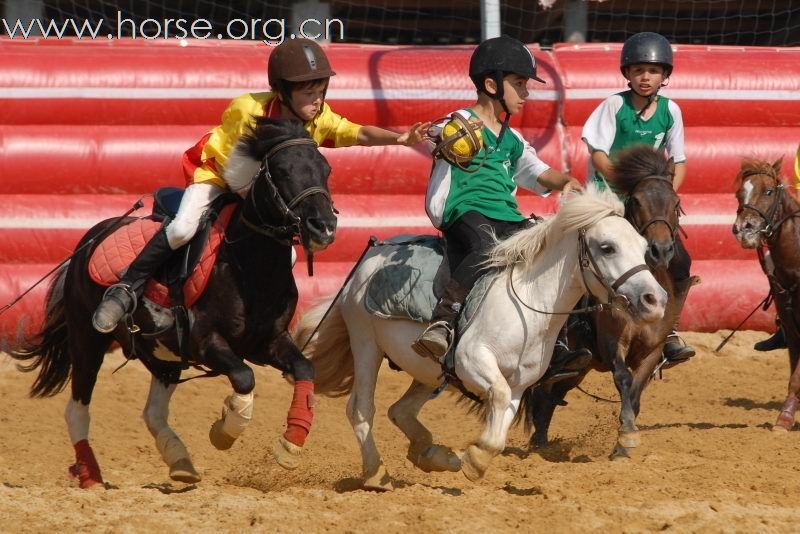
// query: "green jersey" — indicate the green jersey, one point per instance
point(615, 125)
point(491, 189)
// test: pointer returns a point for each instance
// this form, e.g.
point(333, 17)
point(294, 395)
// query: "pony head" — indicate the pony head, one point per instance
point(293, 190)
point(759, 191)
point(615, 247)
point(645, 176)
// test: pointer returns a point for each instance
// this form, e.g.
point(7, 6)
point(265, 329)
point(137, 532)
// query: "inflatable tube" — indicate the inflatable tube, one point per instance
point(728, 292)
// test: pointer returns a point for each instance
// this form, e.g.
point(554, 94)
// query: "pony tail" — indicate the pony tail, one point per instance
point(48, 349)
point(329, 349)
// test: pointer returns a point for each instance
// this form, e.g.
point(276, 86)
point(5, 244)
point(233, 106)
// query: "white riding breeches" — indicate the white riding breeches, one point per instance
point(195, 202)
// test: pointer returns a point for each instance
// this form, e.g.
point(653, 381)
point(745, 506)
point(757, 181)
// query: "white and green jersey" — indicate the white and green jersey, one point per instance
point(491, 189)
point(615, 125)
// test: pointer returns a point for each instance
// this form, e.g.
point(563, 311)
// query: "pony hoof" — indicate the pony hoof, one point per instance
point(779, 429)
point(219, 438)
point(435, 458)
point(85, 479)
point(475, 462)
point(619, 454)
point(784, 423)
point(379, 481)
point(629, 439)
point(184, 471)
point(286, 453)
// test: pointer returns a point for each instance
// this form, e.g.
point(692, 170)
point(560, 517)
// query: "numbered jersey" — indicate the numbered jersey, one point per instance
point(615, 125)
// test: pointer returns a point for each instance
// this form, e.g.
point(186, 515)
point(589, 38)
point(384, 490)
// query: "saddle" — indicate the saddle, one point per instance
point(408, 286)
point(185, 275)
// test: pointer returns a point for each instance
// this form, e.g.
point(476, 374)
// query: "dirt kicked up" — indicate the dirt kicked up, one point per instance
point(708, 460)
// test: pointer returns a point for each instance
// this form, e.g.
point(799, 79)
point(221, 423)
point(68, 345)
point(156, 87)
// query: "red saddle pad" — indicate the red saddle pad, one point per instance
point(113, 255)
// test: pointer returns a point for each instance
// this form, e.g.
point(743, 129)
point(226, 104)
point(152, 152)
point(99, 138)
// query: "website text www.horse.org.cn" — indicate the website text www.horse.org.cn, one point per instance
point(271, 31)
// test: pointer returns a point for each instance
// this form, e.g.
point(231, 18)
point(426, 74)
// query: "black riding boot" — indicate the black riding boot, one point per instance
point(121, 298)
point(774, 342)
point(675, 350)
point(566, 363)
point(436, 339)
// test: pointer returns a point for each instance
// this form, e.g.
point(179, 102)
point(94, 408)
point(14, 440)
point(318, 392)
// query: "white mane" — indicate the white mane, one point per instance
point(578, 210)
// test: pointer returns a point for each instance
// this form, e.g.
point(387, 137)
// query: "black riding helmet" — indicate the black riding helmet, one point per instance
point(647, 47)
point(495, 58)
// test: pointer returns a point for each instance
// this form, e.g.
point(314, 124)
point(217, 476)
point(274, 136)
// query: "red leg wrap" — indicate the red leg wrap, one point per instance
point(85, 469)
point(301, 413)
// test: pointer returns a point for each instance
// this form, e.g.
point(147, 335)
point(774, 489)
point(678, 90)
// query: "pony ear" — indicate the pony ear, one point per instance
point(777, 165)
point(671, 168)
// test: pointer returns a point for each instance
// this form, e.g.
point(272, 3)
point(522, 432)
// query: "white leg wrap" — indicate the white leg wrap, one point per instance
point(237, 411)
point(77, 417)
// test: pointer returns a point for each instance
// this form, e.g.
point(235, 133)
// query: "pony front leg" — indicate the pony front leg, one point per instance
point(628, 433)
point(237, 411)
point(288, 358)
point(786, 417)
point(502, 407)
point(541, 401)
point(172, 449)
point(422, 452)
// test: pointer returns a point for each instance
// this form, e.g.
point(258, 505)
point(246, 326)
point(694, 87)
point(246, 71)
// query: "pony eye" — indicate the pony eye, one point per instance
point(608, 250)
point(768, 192)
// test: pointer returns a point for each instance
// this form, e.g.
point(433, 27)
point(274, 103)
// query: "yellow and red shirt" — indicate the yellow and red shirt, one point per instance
point(797, 168)
point(205, 161)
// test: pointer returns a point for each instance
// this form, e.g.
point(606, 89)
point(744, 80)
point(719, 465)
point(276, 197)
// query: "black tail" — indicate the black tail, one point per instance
point(48, 348)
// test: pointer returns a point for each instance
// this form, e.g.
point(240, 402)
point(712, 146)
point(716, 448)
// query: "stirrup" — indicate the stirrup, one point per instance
point(422, 348)
point(127, 307)
point(134, 300)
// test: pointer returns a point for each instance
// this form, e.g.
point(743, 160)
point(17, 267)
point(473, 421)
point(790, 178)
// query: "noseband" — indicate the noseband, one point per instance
point(768, 217)
point(289, 227)
point(589, 265)
point(673, 229)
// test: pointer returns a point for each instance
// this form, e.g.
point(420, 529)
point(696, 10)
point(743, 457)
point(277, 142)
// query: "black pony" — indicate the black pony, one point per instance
point(243, 313)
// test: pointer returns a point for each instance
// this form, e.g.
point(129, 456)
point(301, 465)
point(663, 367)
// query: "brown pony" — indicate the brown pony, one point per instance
point(767, 219)
point(631, 351)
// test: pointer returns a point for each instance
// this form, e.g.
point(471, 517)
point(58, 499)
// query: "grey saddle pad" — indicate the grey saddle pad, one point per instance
point(405, 286)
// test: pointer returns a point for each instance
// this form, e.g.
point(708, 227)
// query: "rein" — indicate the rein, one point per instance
point(587, 262)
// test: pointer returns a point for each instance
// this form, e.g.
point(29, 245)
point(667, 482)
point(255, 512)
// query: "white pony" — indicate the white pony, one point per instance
point(507, 346)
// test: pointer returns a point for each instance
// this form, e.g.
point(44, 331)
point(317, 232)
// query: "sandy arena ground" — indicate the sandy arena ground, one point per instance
point(708, 461)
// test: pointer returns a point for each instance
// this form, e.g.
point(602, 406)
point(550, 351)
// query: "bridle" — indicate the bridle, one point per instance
point(770, 226)
point(588, 265)
point(288, 228)
point(673, 229)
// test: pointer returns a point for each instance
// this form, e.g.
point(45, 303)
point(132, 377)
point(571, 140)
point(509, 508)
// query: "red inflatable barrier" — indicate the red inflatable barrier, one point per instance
point(190, 82)
point(710, 83)
point(739, 284)
point(713, 155)
point(72, 159)
point(88, 127)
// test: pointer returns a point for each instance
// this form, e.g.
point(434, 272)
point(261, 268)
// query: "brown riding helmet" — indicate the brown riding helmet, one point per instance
point(298, 60)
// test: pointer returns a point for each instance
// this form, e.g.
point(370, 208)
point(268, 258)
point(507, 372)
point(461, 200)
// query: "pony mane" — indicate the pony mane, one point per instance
point(577, 211)
point(751, 166)
point(637, 162)
point(267, 132)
